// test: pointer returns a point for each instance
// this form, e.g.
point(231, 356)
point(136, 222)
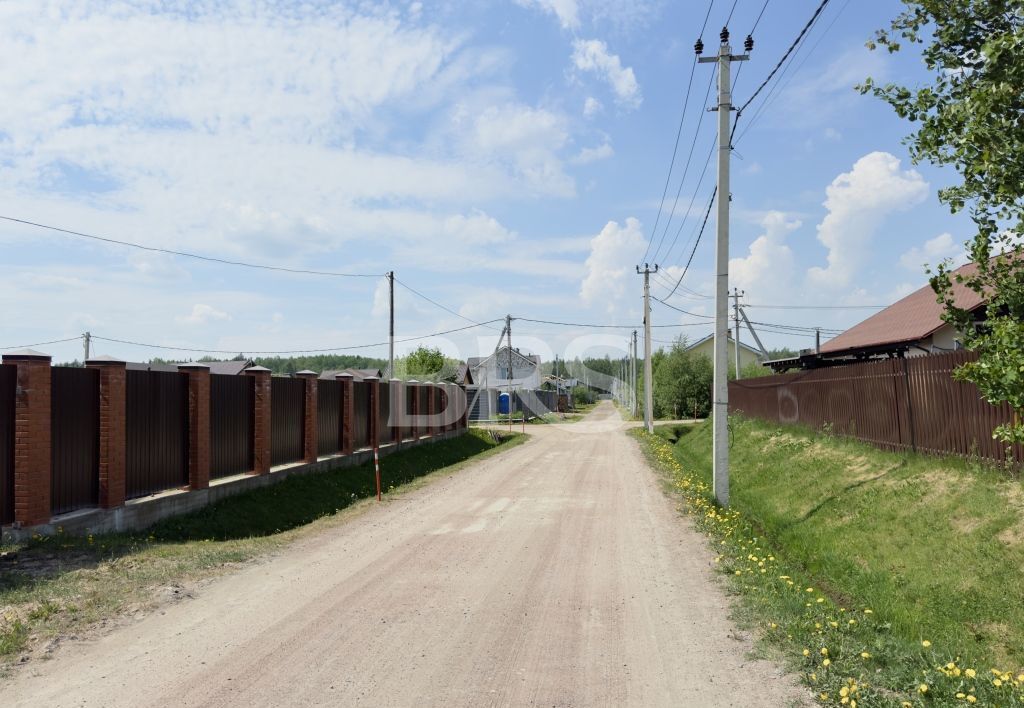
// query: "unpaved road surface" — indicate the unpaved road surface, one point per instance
point(555, 574)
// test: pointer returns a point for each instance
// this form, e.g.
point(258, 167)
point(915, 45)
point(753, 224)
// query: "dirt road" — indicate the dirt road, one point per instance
point(556, 574)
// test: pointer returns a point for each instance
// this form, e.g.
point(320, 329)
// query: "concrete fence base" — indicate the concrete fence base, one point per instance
point(138, 514)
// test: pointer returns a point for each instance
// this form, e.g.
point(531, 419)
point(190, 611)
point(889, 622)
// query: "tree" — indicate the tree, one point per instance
point(969, 117)
point(682, 382)
point(424, 361)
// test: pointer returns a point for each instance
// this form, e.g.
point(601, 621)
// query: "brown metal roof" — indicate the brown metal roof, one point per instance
point(909, 320)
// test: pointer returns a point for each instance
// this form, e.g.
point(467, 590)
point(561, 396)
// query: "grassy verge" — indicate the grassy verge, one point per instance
point(883, 579)
point(62, 586)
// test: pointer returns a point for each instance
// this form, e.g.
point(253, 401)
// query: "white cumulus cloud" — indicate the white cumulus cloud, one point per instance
point(567, 11)
point(770, 262)
point(202, 314)
point(858, 202)
point(588, 155)
point(933, 252)
point(592, 55)
point(610, 267)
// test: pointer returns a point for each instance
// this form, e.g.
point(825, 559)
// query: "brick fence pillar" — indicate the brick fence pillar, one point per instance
point(113, 387)
point(374, 411)
point(261, 419)
point(397, 417)
point(413, 409)
point(430, 391)
point(310, 430)
point(198, 424)
point(347, 413)
point(31, 437)
point(463, 395)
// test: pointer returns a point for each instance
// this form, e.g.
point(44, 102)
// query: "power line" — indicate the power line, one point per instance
point(675, 147)
point(817, 307)
point(185, 254)
point(780, 85)
point(678, 309)
point(599, 326)
point(686, 268)
point(696, 191)
point(41, 344)
point(682, 180)
point(731, 10)
point(291, 351)
point(437, 304)
point(785, 56)
point(759, 15)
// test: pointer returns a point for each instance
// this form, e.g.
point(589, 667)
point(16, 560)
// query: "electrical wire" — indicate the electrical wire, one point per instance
point(686, 171)
point(693, 251)
point(785, 56)
point(679, 132)
point(437, 304)
point(759, 15)
point(601, 326)
point(186, 254)
point(41, 344)
point(816, 307)
point(685, 312)
point(291, 351)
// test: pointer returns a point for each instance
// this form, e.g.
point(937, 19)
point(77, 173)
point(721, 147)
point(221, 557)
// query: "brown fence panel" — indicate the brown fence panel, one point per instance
point(361, 415)
point(407, 402)
point(74, 438)
point(896, 404)
point(232, 405)
point(287, 419)
point(384, 433)
point(328, 417)
point(156, 432)
point(8, 384)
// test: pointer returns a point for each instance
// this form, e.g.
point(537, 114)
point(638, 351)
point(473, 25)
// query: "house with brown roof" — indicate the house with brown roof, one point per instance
point(909, 327)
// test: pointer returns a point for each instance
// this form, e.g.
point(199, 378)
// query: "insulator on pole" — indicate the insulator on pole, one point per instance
point(748, 44)
point(698, 46)
point(724, 35)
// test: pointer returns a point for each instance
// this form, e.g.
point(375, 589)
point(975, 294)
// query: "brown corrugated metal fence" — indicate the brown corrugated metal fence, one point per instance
point(232, 402)
point(328, 417)
point(74, 438)
point(897, 404)
point(361, 419)
point(156, 432)
point(8, 384)
point(287, 419)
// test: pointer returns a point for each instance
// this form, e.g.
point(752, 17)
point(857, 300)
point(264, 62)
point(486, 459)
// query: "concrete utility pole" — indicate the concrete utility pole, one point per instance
point(720, 404)
point(736, 294)
point(508, 327)
point(648, 387)
point(632, 376)
point(391, 328)
point(87, 345)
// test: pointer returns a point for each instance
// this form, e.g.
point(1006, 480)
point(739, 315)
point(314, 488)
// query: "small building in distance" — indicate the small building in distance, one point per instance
point(357, 374)
point(706, 347)
point(493, 371)
point(910, 327)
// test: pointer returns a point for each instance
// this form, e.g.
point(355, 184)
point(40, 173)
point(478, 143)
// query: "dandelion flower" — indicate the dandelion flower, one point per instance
point(826, 663)
point(971, 698)
point(807, 652)
point(926, 643)
point(865, 655)
point(923, 688)
point(971, 673)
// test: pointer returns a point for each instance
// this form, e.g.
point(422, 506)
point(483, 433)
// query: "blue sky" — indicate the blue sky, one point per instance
point(501, 157)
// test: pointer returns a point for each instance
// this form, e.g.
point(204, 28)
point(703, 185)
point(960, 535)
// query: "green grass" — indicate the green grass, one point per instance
point(934, 548)
point(62, 585)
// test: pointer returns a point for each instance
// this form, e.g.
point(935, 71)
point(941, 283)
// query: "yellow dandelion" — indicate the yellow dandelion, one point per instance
point(824, 651)
point(807, 652)
point(826, 663)
point(923, 688)
point(865, 655)
point(970, 673)
point(971, 698)
point(926, 643)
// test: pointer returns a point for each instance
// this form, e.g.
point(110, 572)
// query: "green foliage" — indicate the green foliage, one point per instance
point(581, 395)
point(906, 568)
point(318, 363)
point(424, 361)
point(969, 117)
point(682, 382)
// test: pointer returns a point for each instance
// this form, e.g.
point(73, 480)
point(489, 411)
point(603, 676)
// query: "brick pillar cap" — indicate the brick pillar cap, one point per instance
point(371, 378)
point(104, 360)
point(306, 374)
point(344, 376)
point(394, 380)
point(193, 366)
point(412, 381)
point(257, 370)
point(25, 354)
